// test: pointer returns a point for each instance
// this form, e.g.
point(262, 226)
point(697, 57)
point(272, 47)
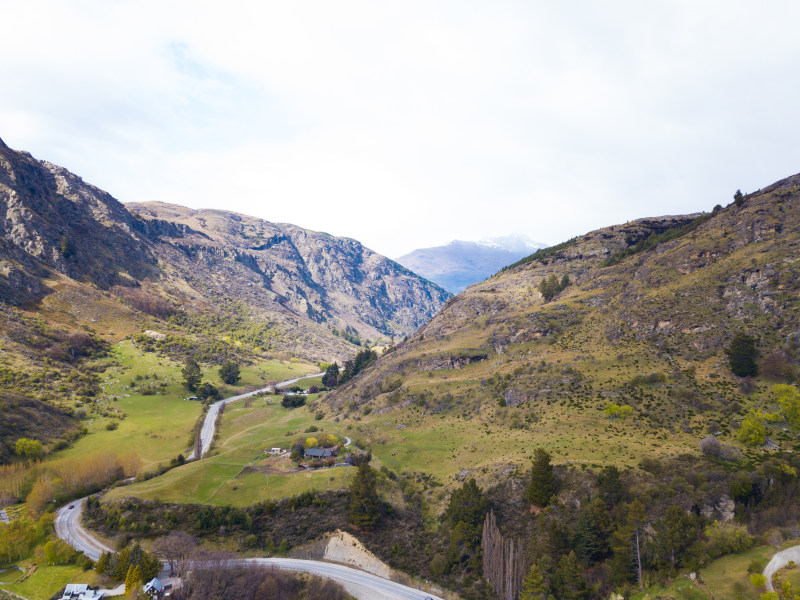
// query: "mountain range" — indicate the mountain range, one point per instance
point(459, 264)
point(75, 256)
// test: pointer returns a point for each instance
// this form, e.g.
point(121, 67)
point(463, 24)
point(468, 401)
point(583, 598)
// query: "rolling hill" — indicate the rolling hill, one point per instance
point(646, 317)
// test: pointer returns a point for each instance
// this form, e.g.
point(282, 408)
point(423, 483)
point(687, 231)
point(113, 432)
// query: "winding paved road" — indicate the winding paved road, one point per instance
point(360, 584)
point(69, 528)
point(210, 422)
point(778, 561)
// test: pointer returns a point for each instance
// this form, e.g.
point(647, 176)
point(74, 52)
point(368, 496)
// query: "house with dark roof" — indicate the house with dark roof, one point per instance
point(317, 452)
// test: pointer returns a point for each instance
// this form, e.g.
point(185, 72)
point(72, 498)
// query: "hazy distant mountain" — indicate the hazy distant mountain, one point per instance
point(460, 263)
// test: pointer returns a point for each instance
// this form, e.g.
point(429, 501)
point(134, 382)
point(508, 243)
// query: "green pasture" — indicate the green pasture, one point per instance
point(159, 427)
point(244, 435)
point(46, 581)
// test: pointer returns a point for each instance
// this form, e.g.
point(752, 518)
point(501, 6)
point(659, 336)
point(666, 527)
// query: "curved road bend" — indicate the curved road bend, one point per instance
point(69, 528)
point(210, 422)
point(778, 561)
point(360, 584)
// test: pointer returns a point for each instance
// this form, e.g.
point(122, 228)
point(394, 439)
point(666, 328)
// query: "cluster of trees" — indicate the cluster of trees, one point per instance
point(133, 565)
point(627, 533)
point(229, 372)
point(39, 484)
point(333, 376)
point(551, 286)
point(293, 400)
point(23, 537)
point(324, 440)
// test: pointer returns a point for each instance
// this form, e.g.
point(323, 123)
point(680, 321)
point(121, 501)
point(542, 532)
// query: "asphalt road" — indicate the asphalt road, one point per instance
point(778, 561)
point(360, 584)
point(210, 422)
point(69, 529)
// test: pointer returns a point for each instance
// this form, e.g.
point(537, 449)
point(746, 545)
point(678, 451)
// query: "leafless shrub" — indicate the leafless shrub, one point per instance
point(710, 445)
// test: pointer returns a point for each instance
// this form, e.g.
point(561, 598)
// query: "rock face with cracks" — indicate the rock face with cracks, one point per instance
point(315, 288)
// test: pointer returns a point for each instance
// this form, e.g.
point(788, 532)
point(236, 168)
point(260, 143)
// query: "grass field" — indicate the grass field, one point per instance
point(9, 574)
point(46, 581)
point(245, 433)
point(159, 426)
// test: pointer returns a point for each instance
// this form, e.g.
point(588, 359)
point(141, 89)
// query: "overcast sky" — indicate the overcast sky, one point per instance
point(409, 124)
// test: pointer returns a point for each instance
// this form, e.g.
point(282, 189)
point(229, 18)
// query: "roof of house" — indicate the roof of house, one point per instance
point(80, 591)
point(154, 584)
point(319, 452)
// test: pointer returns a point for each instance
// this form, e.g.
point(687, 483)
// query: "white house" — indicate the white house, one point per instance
point(80, 591)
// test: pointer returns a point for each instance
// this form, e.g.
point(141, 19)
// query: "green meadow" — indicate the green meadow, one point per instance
point(159, 426)
point(245, 433)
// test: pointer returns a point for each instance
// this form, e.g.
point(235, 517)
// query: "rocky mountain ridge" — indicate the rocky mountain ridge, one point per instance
point(317, 289)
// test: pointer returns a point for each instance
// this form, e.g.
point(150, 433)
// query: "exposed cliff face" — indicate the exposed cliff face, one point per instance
point(55, 227)
point(309, 274)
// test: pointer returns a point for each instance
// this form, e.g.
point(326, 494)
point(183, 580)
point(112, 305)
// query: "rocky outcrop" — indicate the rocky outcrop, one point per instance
point(315, 287)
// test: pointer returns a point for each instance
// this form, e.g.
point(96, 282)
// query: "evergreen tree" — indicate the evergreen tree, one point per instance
point(742, 354)
point(466, 512)
point(534, 586)
point(626, 543)
point(567, 582)
point(592, 532)
point(331, 377)
point(738, 198)
point(230, 372)
point(542, 485)
point(102, 563)
point(365, 507)
point(610, 486)
point(133, 580)
point(675, 535)
point(191, 374)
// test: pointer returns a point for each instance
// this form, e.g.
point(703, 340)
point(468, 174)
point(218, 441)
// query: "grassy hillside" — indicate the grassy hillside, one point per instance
point(650, 308)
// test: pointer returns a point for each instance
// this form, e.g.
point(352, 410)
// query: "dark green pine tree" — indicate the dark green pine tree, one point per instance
point(742, 354)
point(567, 582)
point(192, 376)
point(675, 536)
point(592, 532)
point(365, 507)
point(331, 377)
point(534, 586)
point(542, 485)
point(229, 372)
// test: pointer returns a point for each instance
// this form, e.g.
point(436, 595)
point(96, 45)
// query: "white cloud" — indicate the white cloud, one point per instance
point(406, 124)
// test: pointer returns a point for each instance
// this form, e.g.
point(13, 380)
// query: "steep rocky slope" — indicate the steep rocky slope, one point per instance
point(66, 244)
point(650, 308)
point(303, 273)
